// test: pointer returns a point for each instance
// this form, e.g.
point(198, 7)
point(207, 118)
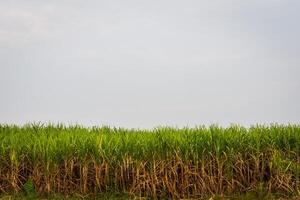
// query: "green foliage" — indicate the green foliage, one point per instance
point(56, 143)
point(51, 145)
point(29, 190)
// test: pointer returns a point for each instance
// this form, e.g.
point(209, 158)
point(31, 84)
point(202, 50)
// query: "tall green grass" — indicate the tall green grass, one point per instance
point(56, 143)
point(50, 146)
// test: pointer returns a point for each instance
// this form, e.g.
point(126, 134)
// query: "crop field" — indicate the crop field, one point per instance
point(164, 162)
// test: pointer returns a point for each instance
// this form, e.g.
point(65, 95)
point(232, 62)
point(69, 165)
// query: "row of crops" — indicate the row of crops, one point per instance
point(159, 163)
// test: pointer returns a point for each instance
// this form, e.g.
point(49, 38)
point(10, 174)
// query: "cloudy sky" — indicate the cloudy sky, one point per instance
point(147, 63)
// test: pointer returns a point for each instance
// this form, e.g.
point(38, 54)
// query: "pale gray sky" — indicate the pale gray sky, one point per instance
point(146, 63)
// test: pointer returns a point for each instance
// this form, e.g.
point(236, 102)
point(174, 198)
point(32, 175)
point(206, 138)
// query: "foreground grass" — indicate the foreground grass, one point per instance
point(21, 196)
point(246, 196)
point(160, 163)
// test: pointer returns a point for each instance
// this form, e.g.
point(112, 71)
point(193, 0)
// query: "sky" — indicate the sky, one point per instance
point(142, 64)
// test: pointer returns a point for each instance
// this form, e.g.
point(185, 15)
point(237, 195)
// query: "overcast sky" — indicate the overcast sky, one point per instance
point(147, 63)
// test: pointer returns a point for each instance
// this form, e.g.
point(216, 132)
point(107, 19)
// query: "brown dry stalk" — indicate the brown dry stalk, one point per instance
point(171, 177)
